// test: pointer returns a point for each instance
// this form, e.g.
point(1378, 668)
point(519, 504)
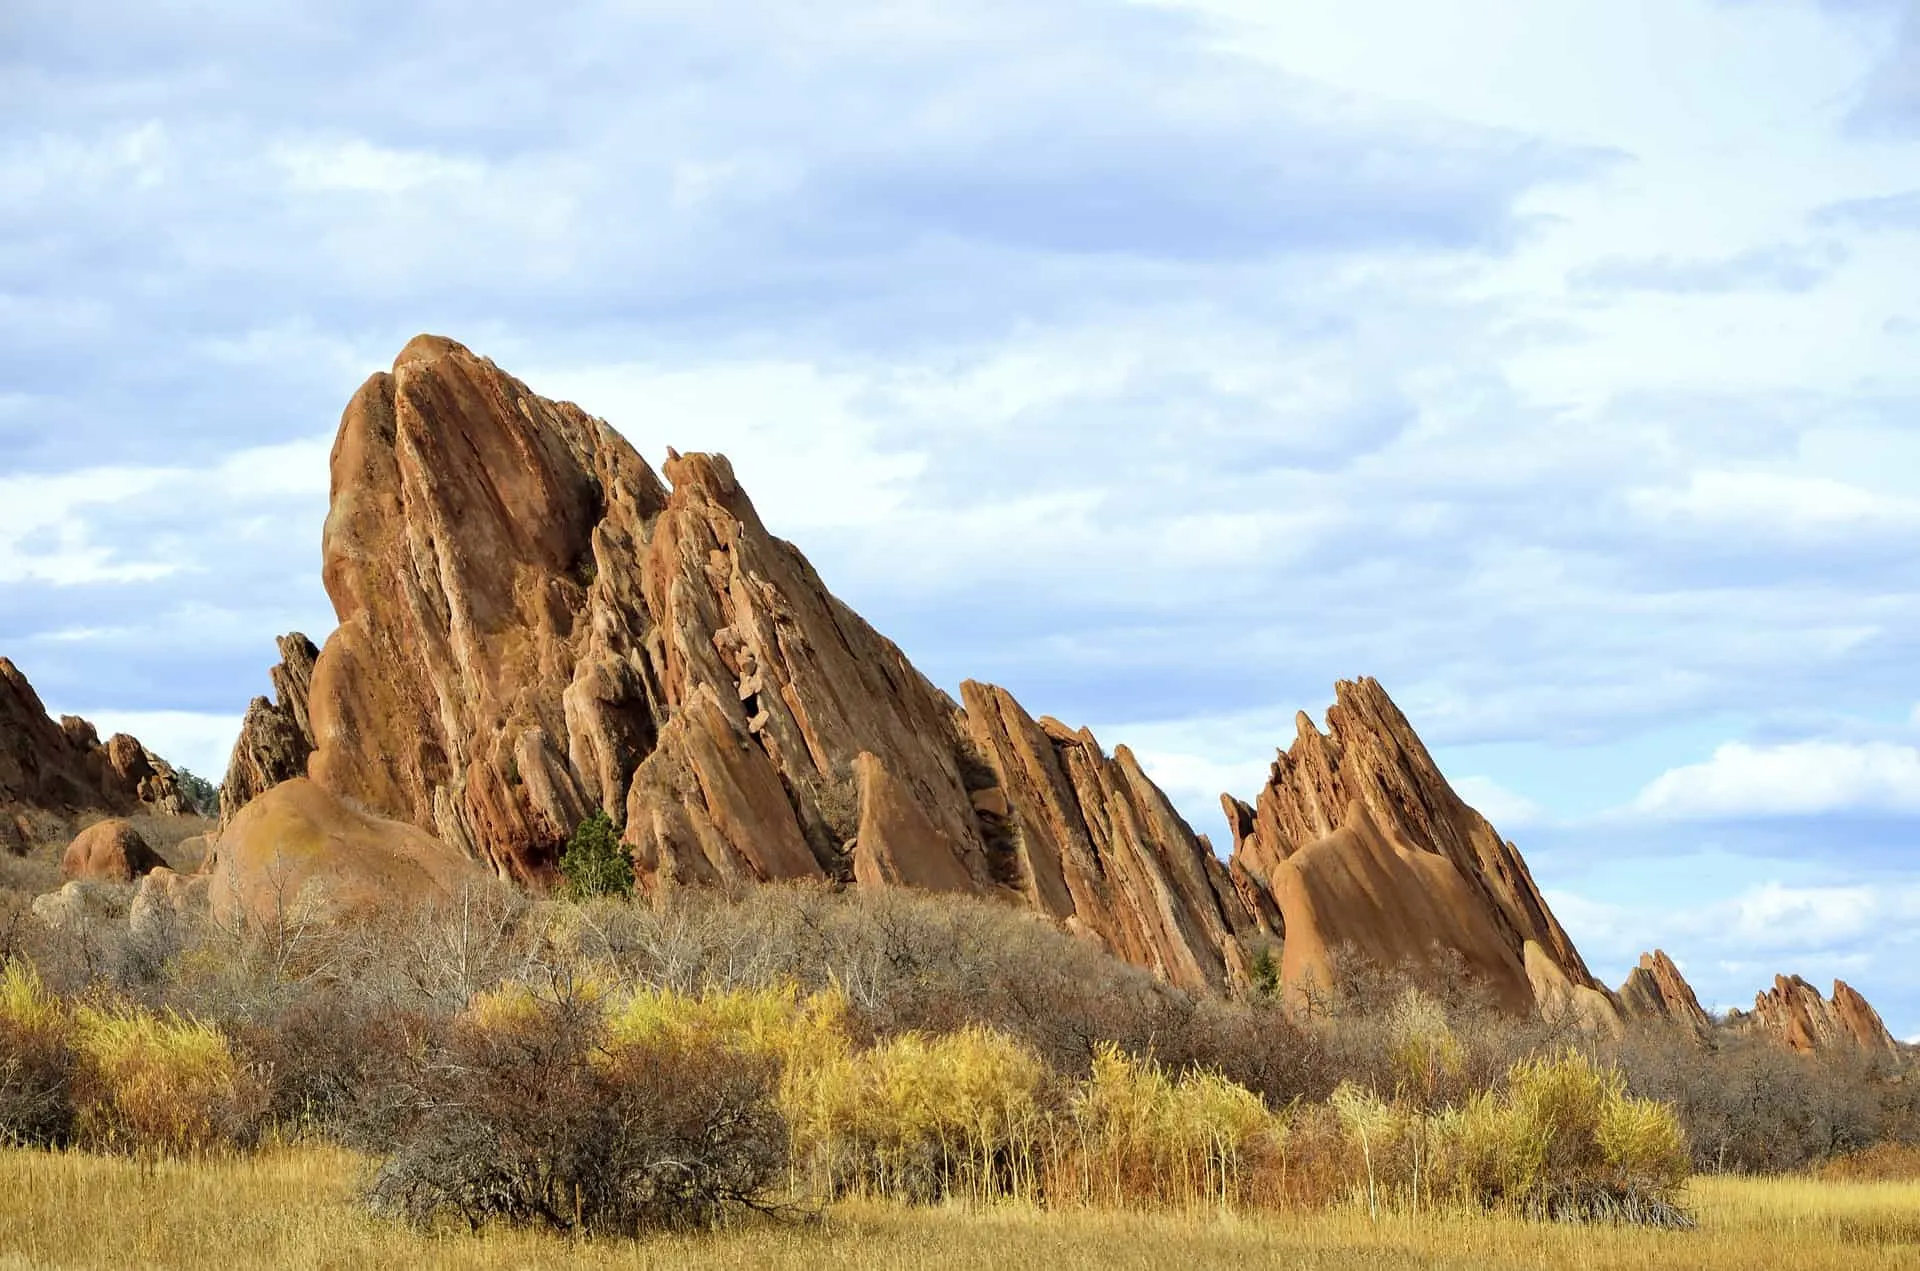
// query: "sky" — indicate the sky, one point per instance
point(1557, 364)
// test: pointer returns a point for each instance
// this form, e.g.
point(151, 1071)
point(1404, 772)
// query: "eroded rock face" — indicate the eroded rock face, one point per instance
point(1793, 1012)
point(109, 851)
point(1091, 842)
point(64, 770)
point(534, 625)
point(275, 737)
point(1358, 840)
point(1655, 990)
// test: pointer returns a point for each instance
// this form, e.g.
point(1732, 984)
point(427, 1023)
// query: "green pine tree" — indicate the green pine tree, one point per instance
point(595, 862)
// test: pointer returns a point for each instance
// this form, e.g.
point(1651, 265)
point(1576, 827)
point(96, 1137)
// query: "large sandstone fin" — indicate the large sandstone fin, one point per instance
point(1370, 807)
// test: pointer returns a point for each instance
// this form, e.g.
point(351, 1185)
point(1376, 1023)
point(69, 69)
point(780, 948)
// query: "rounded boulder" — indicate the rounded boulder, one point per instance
point(109, 852)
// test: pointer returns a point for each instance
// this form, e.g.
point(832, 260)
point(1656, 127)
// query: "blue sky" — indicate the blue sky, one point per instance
point(1556, 363)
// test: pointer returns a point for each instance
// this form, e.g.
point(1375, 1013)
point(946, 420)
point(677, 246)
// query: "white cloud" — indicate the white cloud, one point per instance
point(363, 166)
point(1774, 500)
point(1507, 809)
point(1794, 779)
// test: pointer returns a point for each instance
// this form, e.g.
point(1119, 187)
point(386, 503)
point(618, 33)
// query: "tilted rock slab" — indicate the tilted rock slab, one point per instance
point(534, 625)
point(1655, 990)
point(276, 738)
point(1358, 840)
point(1794, 1013)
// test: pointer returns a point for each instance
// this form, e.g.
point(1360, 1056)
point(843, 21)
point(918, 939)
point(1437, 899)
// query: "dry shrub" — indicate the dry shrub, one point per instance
point(1751, 1106)
point(160, 1083)
point(37, 1062)
point(329, 1061)
point(921, 1118)
point(1140, 1135)
point(526, 1114)
point(1563, 1140)
point(1881, 1163)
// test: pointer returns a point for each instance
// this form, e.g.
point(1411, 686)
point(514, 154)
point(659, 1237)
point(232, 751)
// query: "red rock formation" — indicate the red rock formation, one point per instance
point(1793, 1012)
point(533, 625)
point(1093, 843)
point(109, 851)
point(1655, 990)
point(275, 737)
point(1358, 840)
point(62, 771)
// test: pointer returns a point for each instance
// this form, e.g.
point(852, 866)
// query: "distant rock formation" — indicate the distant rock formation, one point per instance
point(1357, 840)
point(63, 771)
point(1794, 1013)
point(275, 737)
point(1655, 990)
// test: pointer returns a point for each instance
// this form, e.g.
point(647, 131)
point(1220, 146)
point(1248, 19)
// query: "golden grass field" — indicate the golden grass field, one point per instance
point(294, 1208)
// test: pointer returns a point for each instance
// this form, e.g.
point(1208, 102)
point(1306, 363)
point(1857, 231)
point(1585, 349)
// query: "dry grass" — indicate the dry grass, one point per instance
point(293, 1208)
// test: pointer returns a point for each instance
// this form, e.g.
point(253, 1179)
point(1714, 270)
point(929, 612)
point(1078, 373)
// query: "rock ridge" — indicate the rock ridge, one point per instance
point(534, 624)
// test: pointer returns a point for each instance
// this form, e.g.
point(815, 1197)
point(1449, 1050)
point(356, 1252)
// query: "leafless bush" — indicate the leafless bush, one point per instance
point(525, 1117)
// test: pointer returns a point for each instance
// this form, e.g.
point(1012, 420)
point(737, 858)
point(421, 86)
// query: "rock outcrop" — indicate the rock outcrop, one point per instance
point(534, 625)
point(1357, 841)
point(1794, 1013)
point(275, 737)
point(298, 853)
point(60, 771)
point(1655, 990)
point(109, 851)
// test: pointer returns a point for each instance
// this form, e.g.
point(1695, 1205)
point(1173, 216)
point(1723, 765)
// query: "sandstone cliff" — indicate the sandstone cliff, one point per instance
point(275, 737)
point(1794, 1013)
point(1655, 990)
point(533, 625)
point(1358, 840)
point(60, 772)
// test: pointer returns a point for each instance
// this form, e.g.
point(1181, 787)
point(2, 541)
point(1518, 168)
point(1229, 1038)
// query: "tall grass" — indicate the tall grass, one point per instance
point(128, 1079)
point(969, 1113)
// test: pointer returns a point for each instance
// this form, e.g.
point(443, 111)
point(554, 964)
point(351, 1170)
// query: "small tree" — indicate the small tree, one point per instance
point(596, 863)
point(202, 794)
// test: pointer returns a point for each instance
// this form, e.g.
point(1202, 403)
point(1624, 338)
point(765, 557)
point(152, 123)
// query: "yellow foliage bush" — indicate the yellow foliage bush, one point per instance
point(158, 1083)
point(1141, 1136)
point(922, 1117)
point(25, 1003)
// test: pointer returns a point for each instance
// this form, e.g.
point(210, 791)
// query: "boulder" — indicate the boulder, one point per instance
point(81, 903)
point(110, 851)
point(299, 853)
point(166, 902)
